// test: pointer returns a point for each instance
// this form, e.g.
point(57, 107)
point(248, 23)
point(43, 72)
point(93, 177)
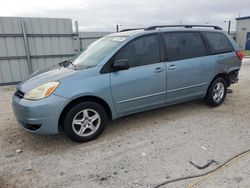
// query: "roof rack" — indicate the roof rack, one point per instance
point(185, 26)
point(132, 29)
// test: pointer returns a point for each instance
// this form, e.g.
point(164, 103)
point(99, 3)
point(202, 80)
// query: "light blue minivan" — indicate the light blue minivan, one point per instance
point(128, 72)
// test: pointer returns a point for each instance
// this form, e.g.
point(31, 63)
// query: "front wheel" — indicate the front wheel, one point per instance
point(216, 92)
point(85, 121)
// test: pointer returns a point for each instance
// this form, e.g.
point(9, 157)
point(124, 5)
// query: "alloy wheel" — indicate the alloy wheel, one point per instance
point(86, 122)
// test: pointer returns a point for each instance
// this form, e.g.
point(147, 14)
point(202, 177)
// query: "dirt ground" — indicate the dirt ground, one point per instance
point(141, 150)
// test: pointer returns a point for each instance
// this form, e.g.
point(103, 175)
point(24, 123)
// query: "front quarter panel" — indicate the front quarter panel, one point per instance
point(88, 82)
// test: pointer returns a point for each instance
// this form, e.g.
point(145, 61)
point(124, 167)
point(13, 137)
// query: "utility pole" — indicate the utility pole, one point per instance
point(117, 28)
point(229, 26)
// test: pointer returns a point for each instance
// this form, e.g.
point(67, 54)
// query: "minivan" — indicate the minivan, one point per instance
point(128, 72)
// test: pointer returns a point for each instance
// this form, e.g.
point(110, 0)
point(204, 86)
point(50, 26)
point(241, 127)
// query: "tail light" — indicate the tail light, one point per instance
point(239, 55)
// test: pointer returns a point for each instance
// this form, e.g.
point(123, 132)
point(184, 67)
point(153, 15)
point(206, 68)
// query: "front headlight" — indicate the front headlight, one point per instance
point(42, 91)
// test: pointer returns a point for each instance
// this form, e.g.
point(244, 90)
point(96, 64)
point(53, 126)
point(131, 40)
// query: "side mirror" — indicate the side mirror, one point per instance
point(120, 64)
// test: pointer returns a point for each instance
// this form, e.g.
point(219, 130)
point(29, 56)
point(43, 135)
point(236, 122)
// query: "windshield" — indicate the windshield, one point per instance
point(97, 51)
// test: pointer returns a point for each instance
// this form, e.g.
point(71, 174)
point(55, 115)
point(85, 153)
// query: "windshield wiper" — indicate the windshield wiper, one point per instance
point(66, 63)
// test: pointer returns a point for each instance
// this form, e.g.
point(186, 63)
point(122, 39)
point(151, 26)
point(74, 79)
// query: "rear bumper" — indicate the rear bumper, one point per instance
point(40, 116)
point(234, 76)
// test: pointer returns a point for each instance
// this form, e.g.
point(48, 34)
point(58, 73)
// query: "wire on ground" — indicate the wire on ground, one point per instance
point(206, 175)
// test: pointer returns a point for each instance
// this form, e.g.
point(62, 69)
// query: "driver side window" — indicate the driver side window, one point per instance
point(142, 51)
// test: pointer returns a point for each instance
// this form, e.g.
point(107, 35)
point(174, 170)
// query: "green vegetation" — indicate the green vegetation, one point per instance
point(246, 52)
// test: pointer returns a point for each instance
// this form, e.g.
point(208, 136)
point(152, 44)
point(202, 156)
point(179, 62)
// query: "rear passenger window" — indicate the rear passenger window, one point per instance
point(184, 45)
point(218, 42)
point(141, 51)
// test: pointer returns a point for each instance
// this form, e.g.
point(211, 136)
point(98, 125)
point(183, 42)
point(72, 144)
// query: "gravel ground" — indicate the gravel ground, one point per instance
point(136, 151)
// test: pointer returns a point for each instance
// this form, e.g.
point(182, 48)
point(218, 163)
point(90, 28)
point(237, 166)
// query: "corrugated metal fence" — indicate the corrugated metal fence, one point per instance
point(29, 44)
point(86, 38)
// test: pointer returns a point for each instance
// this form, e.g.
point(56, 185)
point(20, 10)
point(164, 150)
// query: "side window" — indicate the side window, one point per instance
point(218, 42)
point(141, 51)
point(184, 45)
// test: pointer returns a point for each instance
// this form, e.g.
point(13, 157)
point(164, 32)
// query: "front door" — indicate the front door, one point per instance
point(143, 85)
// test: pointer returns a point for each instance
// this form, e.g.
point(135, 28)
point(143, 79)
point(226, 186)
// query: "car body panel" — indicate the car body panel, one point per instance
point(41, 77)
point(45, 112)
point(189, 79)
point(88, 82)
point(130, 88)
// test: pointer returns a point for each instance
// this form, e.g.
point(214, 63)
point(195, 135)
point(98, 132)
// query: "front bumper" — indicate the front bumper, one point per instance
point(39, 116)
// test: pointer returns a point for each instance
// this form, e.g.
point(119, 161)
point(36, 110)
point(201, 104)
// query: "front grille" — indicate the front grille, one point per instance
point(19, 94)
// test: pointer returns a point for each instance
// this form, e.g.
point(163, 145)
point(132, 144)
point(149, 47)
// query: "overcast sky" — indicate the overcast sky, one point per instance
point(102, 15)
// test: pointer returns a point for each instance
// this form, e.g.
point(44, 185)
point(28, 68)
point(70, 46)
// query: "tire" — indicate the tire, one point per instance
point(85, 122)
point(216, 93)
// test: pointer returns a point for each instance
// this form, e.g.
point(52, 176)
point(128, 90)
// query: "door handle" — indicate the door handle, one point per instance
point(159, 69)
point(172, 67)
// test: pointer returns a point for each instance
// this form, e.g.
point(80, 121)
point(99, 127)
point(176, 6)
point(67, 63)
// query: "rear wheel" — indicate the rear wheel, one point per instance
point(85, 121)
point(216, 92)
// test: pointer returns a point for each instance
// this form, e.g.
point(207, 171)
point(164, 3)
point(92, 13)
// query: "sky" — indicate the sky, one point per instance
point(103, 15)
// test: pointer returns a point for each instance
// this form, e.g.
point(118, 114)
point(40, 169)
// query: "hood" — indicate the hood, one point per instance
point(43, 76)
